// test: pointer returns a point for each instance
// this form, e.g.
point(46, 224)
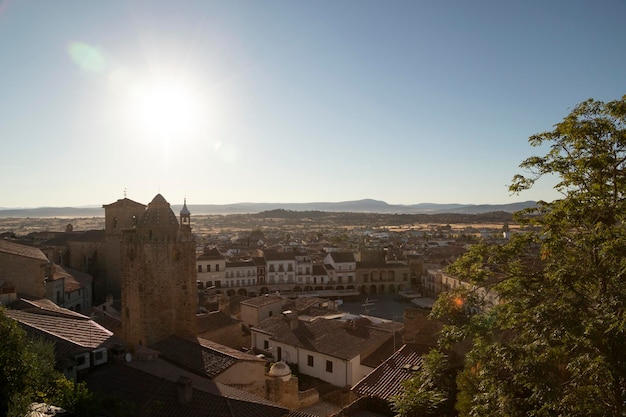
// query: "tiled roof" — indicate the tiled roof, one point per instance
point(108, 321)
point(386, 380)
point(44, 306)
point(263, 300)
point(214, 321)
point(342, 256)
point(318, 269)
point(72, 333)
point(123, 202)
point(259, 260)
point(240, 264)
point(382, 265)
point(225, 350)
point(86, 236)
point(157, 396)
point(279, 256)
point(381, 354)
point(211, 255)
point(74, 279)
point(331, 337)
point(22, 250)
point(200, 355)
point(302, 303)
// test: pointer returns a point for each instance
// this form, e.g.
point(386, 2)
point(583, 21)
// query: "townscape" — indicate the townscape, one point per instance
point(312, 209)
point(155, 291)
point(149, 316)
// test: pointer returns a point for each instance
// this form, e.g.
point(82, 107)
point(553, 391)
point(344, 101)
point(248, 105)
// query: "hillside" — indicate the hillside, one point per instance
point(358, 206)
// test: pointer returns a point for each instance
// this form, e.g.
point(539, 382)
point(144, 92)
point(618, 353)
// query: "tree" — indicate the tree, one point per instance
point(26, 368)
point(556, 345)
point(27, 375)
point(430, 392)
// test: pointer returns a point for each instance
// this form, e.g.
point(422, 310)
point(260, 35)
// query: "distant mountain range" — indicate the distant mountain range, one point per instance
point(358, 206)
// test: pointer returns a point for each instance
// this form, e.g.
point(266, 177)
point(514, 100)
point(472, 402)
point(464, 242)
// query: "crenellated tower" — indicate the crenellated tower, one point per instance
point(159, 295)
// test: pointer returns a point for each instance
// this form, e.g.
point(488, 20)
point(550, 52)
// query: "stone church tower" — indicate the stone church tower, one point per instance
point(159, 296)
point(122, 215)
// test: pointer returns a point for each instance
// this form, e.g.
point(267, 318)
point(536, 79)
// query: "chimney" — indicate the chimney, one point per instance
point(185, 389)
point(292, 318)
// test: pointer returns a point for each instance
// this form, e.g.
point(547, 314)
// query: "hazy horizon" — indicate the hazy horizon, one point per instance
point(90, 206)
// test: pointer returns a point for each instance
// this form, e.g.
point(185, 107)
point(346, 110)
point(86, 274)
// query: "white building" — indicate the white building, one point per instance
point(210, 267)
point(332, 350)
point(280, 269)
point(341, 267)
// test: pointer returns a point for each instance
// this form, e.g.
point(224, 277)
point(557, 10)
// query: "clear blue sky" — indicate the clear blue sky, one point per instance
point(291, 101)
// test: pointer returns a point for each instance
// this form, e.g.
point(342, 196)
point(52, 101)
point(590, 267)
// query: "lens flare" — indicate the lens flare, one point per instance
point(86, 57)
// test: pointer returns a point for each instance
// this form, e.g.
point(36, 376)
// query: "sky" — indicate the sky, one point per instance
point(290, 101)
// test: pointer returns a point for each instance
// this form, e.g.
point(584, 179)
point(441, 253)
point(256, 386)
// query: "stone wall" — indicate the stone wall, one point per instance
point(26, 274)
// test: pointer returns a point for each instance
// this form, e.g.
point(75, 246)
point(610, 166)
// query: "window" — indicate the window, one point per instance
point(266, 344)
point(329, 367)
point(309, 360)
point(199, 268)
point(208, 268)
point(279, 353)
point(217, 267)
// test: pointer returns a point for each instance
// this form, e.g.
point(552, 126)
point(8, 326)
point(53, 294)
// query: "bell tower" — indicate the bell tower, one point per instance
point(185, 217)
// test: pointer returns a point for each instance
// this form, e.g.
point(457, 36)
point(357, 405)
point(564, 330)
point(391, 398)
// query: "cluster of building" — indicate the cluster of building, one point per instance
point(122, 306)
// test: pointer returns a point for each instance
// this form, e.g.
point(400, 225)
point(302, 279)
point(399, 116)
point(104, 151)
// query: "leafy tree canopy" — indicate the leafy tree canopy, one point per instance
point(27, 375)
point(556, 344)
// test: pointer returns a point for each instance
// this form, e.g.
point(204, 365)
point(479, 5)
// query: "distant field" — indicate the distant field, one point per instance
point(210, 224)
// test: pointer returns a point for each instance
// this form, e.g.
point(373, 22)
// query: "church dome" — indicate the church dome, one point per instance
point(159, 221)
point(280, 370)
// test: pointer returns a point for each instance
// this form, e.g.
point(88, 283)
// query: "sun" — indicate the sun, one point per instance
point(165, 106)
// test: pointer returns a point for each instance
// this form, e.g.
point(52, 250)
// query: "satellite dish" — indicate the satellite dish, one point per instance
point(128, 357)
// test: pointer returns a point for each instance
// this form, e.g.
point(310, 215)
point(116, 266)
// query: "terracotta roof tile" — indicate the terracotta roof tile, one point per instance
point(72, 333)
point(342, 257)
point(279, 256)
point(210, 255)
point(386, 380)
point(80, 331)
point(263, 300)
point(199, 355)
point(124, 202)
point(214, 321)
point(22, 250)
point(335, 338)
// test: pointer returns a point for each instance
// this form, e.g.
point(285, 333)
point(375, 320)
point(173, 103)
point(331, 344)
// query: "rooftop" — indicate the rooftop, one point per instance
point(22, 250)
point(386, 380)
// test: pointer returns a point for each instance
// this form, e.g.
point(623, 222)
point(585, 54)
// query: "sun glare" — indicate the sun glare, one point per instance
point(165, 107)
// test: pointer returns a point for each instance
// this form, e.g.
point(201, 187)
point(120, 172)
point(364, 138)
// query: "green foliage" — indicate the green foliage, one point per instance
point(27, 375)
point(26, 368)
point(430, 391)
point(556, 344)
point(74, 397)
